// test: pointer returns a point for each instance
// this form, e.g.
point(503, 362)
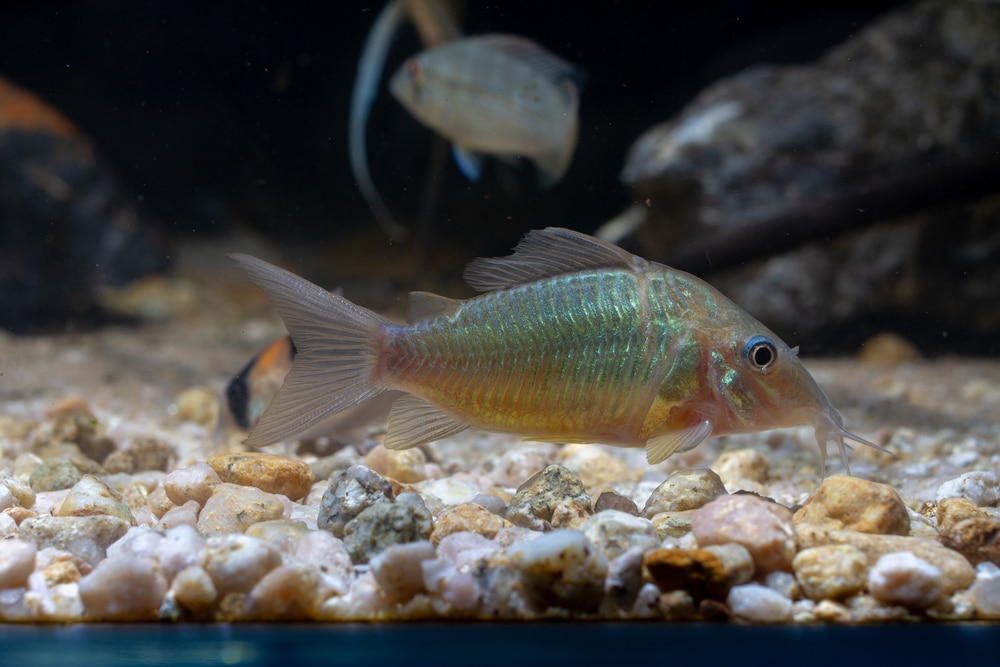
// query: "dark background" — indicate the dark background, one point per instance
point(215, 113)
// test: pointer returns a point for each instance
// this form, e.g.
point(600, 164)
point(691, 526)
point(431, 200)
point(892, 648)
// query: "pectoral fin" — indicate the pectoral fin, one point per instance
point(661, 447)
point(413, 421)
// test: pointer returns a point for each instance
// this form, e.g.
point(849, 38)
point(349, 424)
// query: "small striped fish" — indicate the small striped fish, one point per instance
point(573, 340)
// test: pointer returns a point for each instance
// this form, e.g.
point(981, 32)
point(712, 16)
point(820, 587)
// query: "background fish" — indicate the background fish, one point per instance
point(496, 94)
point(574, 340)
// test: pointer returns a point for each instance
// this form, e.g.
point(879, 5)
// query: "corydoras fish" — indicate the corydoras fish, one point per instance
point(573, 340)
point(495, 94)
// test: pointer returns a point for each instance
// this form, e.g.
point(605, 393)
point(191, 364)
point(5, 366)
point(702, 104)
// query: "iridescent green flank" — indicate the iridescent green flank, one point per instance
point(578, 356)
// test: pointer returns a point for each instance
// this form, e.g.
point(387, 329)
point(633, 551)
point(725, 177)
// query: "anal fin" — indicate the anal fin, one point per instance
point(413, 421)
point(662, 446)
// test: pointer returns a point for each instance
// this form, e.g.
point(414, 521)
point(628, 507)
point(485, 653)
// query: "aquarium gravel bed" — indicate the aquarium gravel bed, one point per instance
point(126, 495)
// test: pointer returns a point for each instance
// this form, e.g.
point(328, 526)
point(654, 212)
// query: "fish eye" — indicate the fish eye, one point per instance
point(761, 353)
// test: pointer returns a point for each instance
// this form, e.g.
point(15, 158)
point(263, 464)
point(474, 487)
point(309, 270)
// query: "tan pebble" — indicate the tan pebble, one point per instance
point(199, 405)
point(16, 429)
point(287, 593)
point(237, 562)
point(956, 572)
point(267, 472)
point(17, 562)
point(831, 572)
point(852, 503)
point(68, 405)
point(831, 612)
point(123, 589)
point(614, 533)
point(976, 538)
point(764, 528)
point(887, 348)
point(195, 482)
point(697, 571)
point(92, 496)
point(23, 493)
point(378, 460)
point(142, 454)
point(406, 465)
point(612, 500)
point(684, 490)
point(595, 467)
point(551, 498)
point(19, 514)
point(469, 517)
point(234, 508)
point(61, 572)
point(950, 511)
point(193, 589)
point(744, 464)
point(561, 569)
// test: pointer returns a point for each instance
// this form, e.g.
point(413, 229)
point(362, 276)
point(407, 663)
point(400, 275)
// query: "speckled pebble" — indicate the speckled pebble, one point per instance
point(468, 517)
point(268, 472)
point(85, 536)
point(349, 493)
point(614, 533)
point(976, 538)
point(904, 579)
point(852, 503)
point(122, 589)
point(234, 508)
point(560, 569)
point(384, 524)
point(672, 524)
point(237, 562)
point(289, 592)
point(91, 496)
point(195, 482)
point(831, 572)
point(981, 487)
point(399, 572)
point(742, 464)
point(684, 490)
point(17, 561)
point(54, 474)
point(760, 604)
point(551, 498)
point(763, 527)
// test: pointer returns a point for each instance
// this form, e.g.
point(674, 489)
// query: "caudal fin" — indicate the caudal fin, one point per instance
point(335, 353)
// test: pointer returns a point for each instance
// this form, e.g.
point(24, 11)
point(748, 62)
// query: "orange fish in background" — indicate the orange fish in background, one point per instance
point(250, 390)
point(572, 340)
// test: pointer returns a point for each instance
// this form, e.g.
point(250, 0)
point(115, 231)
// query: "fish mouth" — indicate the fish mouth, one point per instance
point(828, 425)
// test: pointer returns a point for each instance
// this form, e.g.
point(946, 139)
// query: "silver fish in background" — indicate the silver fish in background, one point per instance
point(498, 95)
point(435, 22)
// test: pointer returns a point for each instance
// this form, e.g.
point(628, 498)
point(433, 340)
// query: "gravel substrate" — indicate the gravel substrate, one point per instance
point(125, 495)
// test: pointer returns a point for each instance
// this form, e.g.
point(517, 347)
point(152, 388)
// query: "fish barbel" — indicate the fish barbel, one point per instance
point(496, 94)
point(573, 340)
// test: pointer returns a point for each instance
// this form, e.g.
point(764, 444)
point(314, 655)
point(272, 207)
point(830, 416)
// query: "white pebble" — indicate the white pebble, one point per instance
point(123, 590)
point(903, 578)
point(237, 562)
point(753, 602)
point(458, 589)
point(978, 486)
point(179, 549)
point(398, 570)
point(17, 561)
point(986, 591)
point(138, 542)
point(327, 554)
point(8, 527)
point(784, 583)
point(463, 548)
point(192, 483)
point(6, 498)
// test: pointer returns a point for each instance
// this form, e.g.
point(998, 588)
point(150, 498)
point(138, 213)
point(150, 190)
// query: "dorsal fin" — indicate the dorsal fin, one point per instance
point(548, 252)
point(549, 65)
point(425, 305)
